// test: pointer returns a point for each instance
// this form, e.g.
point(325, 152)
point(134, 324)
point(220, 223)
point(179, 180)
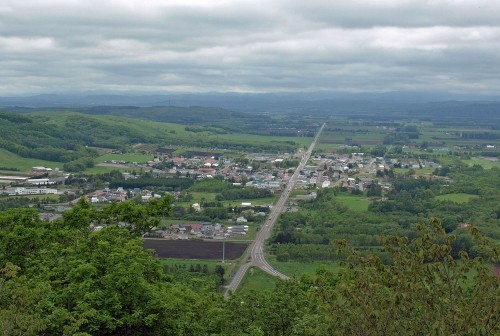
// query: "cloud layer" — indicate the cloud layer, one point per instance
point(249, 45)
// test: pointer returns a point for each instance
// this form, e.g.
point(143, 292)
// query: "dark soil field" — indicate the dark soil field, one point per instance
point(188, 249)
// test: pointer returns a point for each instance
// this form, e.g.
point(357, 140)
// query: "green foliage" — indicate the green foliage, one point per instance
point(211, 185)
point(62, 279)
point(144, 182)
point(243, 193)
point(423, 291)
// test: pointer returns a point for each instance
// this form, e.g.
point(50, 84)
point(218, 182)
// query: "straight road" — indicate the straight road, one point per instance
point(257, 257)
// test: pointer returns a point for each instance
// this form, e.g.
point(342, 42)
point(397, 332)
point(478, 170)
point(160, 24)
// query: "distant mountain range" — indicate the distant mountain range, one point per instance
point(418, 105)
point(234, 101)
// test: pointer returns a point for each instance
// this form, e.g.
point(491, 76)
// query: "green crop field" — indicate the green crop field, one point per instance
point(11, 160)
point(457, 198)
point(354, 202)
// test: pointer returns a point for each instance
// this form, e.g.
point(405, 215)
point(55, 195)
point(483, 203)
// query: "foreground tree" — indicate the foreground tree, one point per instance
point(424, 291)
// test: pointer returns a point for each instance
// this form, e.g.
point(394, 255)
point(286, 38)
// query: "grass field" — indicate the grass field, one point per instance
point(297, 269)
point(104, 169)
point(258, 280)
point(457, 198)
point(11, 160)
point(486, 163)
point(127, 157)
point(354, 202)
point(264, 139)
point(418, 171)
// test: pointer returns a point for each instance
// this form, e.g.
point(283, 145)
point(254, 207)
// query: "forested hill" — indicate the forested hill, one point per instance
point(64, 138)
point(172, 114)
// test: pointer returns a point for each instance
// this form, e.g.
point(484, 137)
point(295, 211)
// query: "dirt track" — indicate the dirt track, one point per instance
point(188, 249)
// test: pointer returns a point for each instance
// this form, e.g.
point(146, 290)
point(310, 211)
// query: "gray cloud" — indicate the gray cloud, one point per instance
point(249, 45)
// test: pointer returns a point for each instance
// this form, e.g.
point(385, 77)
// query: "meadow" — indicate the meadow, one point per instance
point(11, 160)
point(353, 202)
point(257, 280)
point(457, 197)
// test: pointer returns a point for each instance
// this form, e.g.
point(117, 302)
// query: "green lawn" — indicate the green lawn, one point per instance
point(11, 160)
point(457, 198)
point(354, 202)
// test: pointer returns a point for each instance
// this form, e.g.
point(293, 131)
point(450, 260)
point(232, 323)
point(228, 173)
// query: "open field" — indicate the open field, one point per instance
point(418, 171)
point(263, 139)
point(257, 280)
point(127, 157)
point(106, 169)
point(297, 269)
point(354, 202)
point(484, 162)
point(457, 198)
point(11, 160)
point(189, 249)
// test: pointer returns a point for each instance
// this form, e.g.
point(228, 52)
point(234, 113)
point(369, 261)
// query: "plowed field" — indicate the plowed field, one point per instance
point(188, 249)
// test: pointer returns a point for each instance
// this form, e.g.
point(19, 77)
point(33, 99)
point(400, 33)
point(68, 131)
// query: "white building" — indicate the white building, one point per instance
point(35, 191)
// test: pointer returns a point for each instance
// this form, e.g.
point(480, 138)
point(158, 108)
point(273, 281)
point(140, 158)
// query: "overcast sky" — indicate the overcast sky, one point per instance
point(249, 45)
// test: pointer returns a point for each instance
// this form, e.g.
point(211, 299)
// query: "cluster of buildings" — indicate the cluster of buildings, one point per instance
point(36, 184)
point(203, 230)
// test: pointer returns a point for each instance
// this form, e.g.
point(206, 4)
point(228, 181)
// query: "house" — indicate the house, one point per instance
point(241, 219)
point(196, 229)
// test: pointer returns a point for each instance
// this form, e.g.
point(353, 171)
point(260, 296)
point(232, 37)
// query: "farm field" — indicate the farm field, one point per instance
point(484, 162)
point(262, 139)
point(127, 157)
point(418, 171)
point(194, 249)
point(354, 202)
point(107, 169)
point(457, 198)
point(11, 160)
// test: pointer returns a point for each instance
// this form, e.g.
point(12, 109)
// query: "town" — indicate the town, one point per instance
point(266, 175)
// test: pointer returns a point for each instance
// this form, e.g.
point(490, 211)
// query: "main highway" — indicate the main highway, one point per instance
point(256, 248)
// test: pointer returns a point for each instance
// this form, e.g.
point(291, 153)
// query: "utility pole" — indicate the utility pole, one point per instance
point(223, 245)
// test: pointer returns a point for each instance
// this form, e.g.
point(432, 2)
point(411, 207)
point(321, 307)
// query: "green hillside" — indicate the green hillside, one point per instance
point(71, 137)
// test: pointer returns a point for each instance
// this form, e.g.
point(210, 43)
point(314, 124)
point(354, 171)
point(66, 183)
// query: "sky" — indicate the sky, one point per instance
point(165, 46)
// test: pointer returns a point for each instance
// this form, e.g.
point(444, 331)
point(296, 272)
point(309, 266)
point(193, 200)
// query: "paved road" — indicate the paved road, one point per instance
point(257, 257)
